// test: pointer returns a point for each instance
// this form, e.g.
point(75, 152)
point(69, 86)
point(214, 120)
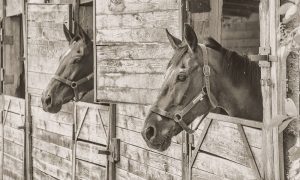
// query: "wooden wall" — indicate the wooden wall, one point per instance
point(53, 147)
point(52, 133)
point(132, 48)
point(13, 65)
point(12, 138)
point(241, 34)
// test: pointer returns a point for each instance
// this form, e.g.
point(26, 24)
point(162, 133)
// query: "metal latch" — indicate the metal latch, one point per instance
point(259, 57)
point(113, 151)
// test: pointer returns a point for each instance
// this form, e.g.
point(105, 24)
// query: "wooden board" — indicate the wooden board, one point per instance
point(12, 52)
point(133, 49)
point(12, 138)
point(14, 7)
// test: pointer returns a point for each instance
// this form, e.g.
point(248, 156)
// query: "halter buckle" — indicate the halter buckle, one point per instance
point(206, 70)
point(177, 117)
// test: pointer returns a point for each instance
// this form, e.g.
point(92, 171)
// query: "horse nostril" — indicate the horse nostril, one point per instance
point(48, 100)
point(150, 132)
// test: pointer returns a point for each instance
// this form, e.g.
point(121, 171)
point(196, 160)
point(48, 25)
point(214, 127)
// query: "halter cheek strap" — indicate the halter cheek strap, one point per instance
point(74, 84)
point(178, 117)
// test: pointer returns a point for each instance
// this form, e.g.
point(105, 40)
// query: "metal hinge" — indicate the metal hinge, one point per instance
point(1, 74)
point(113, 151)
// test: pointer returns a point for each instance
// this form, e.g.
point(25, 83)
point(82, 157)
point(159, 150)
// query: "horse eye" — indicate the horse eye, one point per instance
point(77, 60)
point(181, 77)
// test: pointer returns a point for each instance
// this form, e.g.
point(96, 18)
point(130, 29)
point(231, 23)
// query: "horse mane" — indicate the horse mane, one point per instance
point(239, 68)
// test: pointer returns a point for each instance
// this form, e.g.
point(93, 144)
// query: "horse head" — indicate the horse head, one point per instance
point(196, 82)
point(74, 75)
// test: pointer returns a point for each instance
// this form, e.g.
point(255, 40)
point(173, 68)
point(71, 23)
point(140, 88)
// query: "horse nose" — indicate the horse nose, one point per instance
point(48, 100)
point(150, 132)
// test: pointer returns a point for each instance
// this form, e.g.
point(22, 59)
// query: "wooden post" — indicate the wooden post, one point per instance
point(112, 134)
point(271, 89)
point(28, 139)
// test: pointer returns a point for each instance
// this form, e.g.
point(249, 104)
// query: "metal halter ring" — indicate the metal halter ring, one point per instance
point(178, 117)
point(74, 85)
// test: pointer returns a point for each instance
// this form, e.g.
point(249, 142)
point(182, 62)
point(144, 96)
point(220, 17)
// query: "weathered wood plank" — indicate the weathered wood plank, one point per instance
point(134, 81)
point(11, 53)
point(12, 166)
point(89, 152)
point(151, 159)
point(87, 171)
point(53, 138)
point(14, 150)
point(52, 159)
point(141, 35)
point(14, 104)
point(14, 120)
point(143, 170)
point(138, 96)
point(222, 167)
point(38, 174)
point(14, 135)
point(61, 117)
point(51, 170)
point(124, 51)
point(52, 126)
point(13, 7)
point(158, 19)
point(125, 175)
point(52, 148)
point(135, 6)
point(140, 66)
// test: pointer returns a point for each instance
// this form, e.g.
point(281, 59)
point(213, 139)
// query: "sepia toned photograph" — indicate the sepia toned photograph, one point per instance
point(149, 89)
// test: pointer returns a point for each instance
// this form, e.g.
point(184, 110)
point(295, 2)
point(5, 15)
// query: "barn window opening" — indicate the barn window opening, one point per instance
point(240, 30)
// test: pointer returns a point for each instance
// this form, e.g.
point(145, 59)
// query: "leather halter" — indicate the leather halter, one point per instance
point(178, 116)
point(74, 84)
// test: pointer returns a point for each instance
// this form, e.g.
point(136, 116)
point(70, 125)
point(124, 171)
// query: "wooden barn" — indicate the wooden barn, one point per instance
point(102, 139)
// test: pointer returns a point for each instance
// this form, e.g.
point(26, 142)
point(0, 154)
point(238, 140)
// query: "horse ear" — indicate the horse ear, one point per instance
point(69, 35)
point(190, 37)
point(82, 33)
point(173, 40)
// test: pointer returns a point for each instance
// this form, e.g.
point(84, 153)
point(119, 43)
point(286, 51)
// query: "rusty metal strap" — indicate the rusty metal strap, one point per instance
point(252, 161)
point(201, 139)
point(268, 58)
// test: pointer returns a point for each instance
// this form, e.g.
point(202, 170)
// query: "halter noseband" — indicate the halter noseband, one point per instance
point(74, 84)
point(178, 116)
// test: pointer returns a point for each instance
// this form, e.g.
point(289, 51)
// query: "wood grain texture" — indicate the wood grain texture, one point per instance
point(13, 7)
point(87, 171)
point(11, 54)
point(133, 48)
point(135, 6)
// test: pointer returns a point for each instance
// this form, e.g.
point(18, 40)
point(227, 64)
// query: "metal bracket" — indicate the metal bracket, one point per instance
point(268, 58)
point(113, 151)
point(8, 40)
point(1, 74)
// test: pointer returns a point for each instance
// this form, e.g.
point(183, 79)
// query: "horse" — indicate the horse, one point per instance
point(200, 78)
point(73, 78)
